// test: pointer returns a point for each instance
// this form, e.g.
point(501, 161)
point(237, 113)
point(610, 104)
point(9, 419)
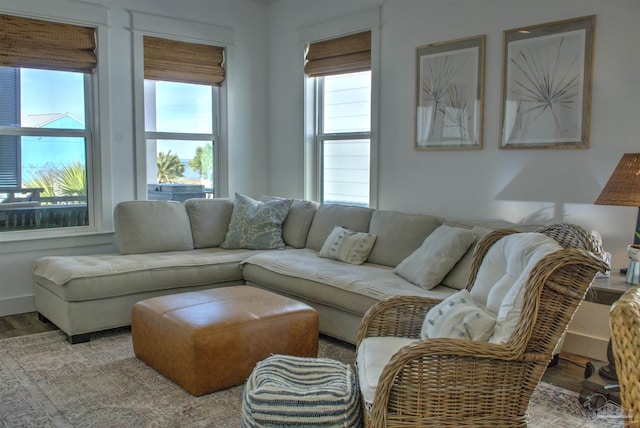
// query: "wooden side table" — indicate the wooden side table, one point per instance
point(597, 389)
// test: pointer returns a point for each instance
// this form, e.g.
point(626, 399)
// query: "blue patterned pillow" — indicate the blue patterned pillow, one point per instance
point(256, 225)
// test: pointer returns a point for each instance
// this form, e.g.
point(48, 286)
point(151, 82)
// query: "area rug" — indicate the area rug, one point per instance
point(46, 382)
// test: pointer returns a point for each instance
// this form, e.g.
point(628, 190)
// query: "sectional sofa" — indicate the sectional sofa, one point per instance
point(170, 247)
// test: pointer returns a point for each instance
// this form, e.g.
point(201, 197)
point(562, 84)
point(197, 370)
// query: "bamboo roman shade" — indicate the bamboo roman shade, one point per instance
point(347, 54)
point(33, 43)
point(175, 61)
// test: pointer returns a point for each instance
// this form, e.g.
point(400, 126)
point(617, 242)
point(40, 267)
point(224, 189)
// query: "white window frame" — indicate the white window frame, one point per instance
point(187, 31)
point(98, 150)
point(367, 20)
point(321, 137)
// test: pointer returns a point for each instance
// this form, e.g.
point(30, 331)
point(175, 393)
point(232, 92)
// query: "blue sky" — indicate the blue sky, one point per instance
point(180, 108)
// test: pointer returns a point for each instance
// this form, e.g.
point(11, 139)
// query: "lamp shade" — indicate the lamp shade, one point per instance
point(623, 187)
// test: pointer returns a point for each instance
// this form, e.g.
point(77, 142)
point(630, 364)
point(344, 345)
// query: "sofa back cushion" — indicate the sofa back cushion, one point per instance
point(328, 216)
point(398, 235)
point(152, 226)
point(209, 220)
point(296, 226)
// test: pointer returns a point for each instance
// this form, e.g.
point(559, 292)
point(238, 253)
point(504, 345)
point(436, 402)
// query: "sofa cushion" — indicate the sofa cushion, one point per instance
point(209, 220)
point(295, 227)
point(106, 276)
point(299, 272)
point(256, 225)
point(430, 263)
point(330, 215)
point(458, 317)
point(347, 246)
point(152, 226)
point(398, 235)
point(505, 268)
point(458, 277)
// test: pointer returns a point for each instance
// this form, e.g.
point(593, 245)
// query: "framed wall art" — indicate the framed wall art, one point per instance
point(450, 94)
point(546, 85)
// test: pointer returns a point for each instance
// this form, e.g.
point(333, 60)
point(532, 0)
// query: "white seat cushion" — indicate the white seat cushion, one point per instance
point(499, 284)
point(373, 354)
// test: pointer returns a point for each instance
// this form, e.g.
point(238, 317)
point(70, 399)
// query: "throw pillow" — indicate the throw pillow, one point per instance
point(458, 317)
point(458, 277)
point(347, 246)
point(430, 263)
point(256, 225)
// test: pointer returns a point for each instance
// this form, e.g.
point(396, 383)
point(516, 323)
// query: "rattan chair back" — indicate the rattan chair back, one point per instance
point(625, 336)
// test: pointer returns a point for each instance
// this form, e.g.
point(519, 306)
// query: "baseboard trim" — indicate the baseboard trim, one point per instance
point(586, 346)
point(17, 305)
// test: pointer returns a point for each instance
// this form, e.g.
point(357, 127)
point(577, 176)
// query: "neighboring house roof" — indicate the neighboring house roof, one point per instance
point(42, 120)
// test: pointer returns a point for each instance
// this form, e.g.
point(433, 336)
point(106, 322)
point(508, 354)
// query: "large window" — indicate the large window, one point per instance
point(179, 125)
point(340, 70)
point(45, 127)
point(344, 137)
point(180, 115)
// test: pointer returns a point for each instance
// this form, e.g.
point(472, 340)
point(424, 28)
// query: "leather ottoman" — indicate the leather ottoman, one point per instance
point(210, 340)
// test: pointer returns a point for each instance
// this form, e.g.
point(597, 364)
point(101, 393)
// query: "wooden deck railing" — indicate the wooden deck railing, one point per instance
point(43, 217)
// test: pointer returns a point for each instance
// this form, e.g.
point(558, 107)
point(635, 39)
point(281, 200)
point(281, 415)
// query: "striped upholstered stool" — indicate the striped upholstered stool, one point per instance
point(286, 391)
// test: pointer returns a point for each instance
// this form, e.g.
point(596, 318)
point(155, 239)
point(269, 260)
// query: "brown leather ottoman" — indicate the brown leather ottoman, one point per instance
point(210, 340)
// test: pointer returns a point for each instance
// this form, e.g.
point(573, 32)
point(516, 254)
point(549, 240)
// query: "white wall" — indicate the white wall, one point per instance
point(247, 123)
point(516, 185)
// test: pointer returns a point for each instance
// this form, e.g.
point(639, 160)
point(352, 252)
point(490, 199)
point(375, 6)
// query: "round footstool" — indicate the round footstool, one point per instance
point(287, 391)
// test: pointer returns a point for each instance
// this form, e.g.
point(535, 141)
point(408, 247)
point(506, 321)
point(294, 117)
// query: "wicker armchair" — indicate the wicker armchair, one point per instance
point(463, 383)
point(625, 335)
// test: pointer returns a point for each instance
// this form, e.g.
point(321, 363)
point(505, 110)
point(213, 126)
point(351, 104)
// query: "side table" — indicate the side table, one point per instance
point(598, 388)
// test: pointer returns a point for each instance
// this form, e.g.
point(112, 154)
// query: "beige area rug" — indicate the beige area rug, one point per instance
point(46, 382)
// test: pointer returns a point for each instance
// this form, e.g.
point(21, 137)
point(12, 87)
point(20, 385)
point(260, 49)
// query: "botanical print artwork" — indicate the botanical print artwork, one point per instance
point(546, 85)
point(449, 94)
point(544, 90)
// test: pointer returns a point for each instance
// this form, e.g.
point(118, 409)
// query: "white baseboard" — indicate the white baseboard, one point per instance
point(17, 305)
point(586, 346)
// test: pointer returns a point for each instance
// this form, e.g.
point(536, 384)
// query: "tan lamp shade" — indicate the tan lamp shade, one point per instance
point(623, 187)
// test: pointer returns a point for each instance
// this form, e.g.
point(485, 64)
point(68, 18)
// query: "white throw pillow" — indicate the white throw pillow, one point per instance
point(438, 254)
point(458, 317)
point(499, 284)
point(458, 277)
point(347, 246)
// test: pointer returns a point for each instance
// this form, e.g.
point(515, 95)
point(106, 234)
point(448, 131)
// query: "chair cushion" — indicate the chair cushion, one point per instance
point(373, 354)
point(499, 284)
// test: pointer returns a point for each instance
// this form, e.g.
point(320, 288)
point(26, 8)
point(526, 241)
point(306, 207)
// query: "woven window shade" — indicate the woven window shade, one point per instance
point(175, 61)
point(347, 54)
point(33, 43)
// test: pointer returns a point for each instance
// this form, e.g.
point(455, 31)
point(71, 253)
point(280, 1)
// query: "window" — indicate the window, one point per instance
point(180, 99)
point(344, 137)
point(341, 72)
point(45, 134)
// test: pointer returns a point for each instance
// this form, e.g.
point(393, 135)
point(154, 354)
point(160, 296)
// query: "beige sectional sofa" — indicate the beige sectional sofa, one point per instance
point(171, 247)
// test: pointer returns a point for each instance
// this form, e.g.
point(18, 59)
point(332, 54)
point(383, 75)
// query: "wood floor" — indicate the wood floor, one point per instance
point(568, 373)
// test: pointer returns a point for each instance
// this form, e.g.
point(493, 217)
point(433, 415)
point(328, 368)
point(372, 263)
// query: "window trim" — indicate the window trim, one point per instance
point(368, 19)
point(187, 31)
point(98, 154)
